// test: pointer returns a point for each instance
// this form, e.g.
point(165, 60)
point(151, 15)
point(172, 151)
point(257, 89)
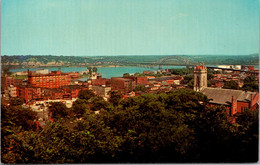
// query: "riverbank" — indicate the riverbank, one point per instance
point(106, 72)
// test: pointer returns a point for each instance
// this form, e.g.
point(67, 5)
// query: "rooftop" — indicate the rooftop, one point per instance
point(222, 96)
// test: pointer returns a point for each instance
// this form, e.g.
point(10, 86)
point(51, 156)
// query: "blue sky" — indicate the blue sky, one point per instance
point(129, 27)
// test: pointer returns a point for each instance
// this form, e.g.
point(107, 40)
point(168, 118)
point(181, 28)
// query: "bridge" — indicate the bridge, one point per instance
point(166, 61)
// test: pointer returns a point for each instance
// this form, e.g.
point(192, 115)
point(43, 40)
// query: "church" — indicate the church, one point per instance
point(236, 101)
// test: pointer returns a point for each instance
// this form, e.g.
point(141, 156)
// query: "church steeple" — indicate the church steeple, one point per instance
point(200, 77)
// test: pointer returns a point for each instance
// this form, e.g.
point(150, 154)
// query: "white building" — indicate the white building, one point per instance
point(42, 71)
point(12, 91)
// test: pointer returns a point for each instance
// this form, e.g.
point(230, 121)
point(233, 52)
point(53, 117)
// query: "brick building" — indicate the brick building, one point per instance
point(73, 90)
point(124, 85)
point(55, 79)
point(101, 81)
point(6, 81)
point(28, 92)
point(236, 101)
point(12, 90)
point(101, 90)
point(138, 80)
point(247, 67)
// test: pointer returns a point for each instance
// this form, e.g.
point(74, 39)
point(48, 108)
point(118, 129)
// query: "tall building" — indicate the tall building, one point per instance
point(200, 77)
point(124, 85)
point(236, 101)
point(55, 79)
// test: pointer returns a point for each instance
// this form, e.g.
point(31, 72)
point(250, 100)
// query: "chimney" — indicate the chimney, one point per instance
point(251, 101)
point(233, 106)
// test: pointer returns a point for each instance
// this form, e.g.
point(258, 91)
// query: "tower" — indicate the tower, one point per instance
point(200, 77)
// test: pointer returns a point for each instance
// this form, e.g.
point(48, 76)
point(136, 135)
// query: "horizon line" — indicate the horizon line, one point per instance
point(131, 55)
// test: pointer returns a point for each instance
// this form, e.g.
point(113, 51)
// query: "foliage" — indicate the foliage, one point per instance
point(6, 71)
point(231, 85)
point(168, 127)
point(140, 88)
point(94, 69)
point(182, 71)
point(58, 110)
point(98, 103)
point(80, 107)
point(115, 97)
point(86, 94)
point(16, 101)
point(126, 75)
point(250, 84)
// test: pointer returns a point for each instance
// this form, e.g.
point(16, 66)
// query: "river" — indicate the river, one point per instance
point(106, 72)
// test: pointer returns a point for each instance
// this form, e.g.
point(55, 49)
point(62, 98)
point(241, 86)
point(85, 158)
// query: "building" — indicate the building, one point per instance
point(100, 81)
point(73, 90)
point(12, 90)
point(200, 77)
point(138, 80)
point(55, 79)
point(28, 92)
point(124, 85)
point(101, 90)
point(6, 81)
point(42, 71)
point(248, 67)
point(236, 101)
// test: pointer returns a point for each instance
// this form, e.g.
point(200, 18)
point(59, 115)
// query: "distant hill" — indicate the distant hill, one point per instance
point(18, 61)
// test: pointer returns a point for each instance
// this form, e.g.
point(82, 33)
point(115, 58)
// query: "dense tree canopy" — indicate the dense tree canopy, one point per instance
point(231, 85)
point(250, 84)
point(169, 127)
point(80, 107)
point(16, 101)
point(86, 94)
point(58, 110)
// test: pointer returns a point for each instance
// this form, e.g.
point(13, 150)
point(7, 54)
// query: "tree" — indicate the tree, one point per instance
point(6, 71)
point(95, 69)
point(80, 107)
point(249, 79)
point(90, 70)
point(140, 88)
point(126, 75)
point(187, 79)
point(115, 97)
point(250, 84)
point(58, 110)
point(99, 103)
point(231, 85)
point(16, 101)
point(86, 94)
point(210, 76)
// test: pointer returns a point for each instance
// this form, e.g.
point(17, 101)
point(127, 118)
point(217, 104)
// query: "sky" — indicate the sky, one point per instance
point(129, 27)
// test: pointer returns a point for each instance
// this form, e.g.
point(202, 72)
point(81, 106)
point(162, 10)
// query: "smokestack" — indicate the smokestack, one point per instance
point(251, 101)
point(233, 106)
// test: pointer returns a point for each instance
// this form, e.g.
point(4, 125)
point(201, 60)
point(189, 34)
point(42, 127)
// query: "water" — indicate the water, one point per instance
point(106, 72)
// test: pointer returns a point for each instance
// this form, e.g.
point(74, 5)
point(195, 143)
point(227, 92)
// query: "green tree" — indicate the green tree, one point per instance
point(250, 84)
point(115, 97)
point(98, 103)
point(58, 110)
point(231, 85)
point(16, 101)
point(80, 107)
point(95, 69)
point(140, 88)
point(126, 75)
point(249, 79)
point(90, 70)
point(6, 71)
point(86, 94)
